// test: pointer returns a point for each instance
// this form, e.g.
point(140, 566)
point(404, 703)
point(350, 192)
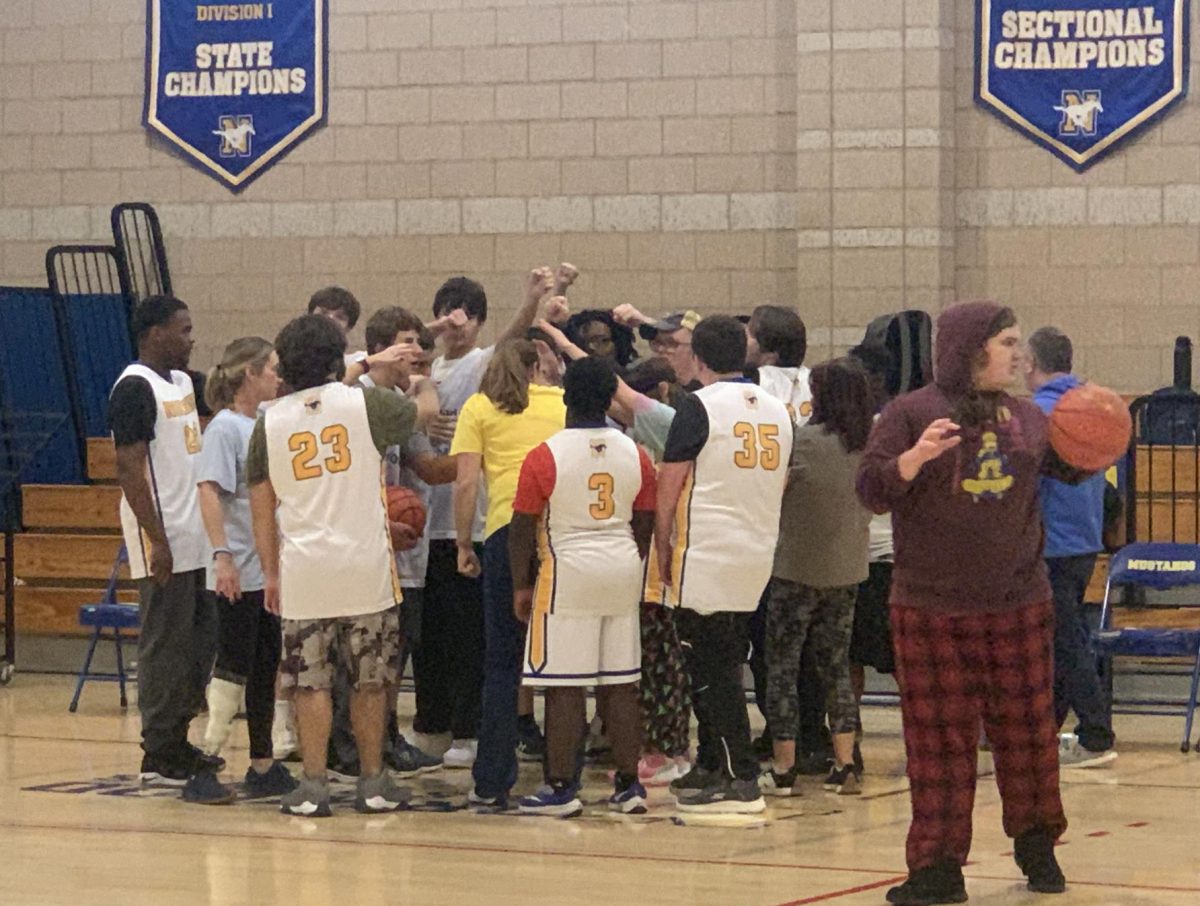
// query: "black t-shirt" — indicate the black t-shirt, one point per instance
point(689, 431)
point(132, 411)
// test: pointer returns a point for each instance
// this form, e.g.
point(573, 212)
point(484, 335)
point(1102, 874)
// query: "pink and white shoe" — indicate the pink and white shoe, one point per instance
point(659, 770)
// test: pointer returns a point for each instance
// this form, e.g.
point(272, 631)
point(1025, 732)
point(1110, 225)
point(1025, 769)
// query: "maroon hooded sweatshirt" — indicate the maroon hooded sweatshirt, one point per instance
point(968, 528)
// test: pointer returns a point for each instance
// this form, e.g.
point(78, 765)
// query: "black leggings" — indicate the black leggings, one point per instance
point(250, 642)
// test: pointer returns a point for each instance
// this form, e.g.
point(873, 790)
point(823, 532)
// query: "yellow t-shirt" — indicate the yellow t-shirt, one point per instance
point(504, 440)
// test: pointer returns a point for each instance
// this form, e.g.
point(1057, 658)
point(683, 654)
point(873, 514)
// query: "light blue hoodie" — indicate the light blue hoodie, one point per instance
point(1073, 515)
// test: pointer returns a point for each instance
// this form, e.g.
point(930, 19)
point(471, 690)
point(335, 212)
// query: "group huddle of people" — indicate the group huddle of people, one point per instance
point(639, 525)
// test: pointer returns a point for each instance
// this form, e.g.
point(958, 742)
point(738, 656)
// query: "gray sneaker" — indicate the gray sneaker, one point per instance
point(741, 797)
point(1073, 755)
point(310, 799)
point(376, 795)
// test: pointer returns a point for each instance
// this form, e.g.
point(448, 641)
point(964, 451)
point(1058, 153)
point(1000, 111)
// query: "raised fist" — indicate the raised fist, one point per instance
point(564, 277)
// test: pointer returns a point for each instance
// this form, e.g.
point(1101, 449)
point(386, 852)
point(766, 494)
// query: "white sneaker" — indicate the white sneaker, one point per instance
point(430, 743)
point(461, 754)
point(1072, 755)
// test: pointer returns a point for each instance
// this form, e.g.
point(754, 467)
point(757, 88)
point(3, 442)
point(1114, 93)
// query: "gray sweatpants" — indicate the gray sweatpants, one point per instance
point(176, 650)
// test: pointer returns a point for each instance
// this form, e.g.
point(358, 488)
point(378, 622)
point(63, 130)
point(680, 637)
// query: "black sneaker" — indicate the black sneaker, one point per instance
point(741, 797)
point(203, 788)
point(276, 781)
point(163, 770)
point(344, 771)
point(408, 761)
point(194, 758)
point(694, 781)
point(844, 781)
point(1034, 854)
point(532, 744)
point(941, 883)
point(773, 783)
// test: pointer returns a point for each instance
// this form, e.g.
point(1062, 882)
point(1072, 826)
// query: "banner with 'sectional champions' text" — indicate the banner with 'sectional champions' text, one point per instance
point(1080, 76)
point(235, 86)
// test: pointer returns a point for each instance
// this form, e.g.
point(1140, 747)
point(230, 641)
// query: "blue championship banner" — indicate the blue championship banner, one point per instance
point(235, 86)
point(1080, 76)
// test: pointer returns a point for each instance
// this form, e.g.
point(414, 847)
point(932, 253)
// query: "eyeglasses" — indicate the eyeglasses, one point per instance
point(660, 345)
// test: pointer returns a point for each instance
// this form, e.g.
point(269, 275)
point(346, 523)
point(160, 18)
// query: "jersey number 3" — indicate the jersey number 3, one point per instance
point(304, 445)
point(760, 447)
point(604, 505)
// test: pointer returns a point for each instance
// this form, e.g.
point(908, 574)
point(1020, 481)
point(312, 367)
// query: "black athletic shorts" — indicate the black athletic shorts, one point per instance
point(871, 638)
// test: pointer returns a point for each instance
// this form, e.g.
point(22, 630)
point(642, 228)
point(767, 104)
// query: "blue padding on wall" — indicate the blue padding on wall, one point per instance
point(34, 388)
point(99, 327)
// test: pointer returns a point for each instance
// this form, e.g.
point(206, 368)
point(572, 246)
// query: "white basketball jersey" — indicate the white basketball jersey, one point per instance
point(589, 562)
point(174, 456)
point(727, 522)
point(790, 386)
point(335, 555)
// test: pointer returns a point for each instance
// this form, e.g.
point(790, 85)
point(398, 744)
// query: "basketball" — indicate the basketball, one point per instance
point(1090, 427)
point(404, 505)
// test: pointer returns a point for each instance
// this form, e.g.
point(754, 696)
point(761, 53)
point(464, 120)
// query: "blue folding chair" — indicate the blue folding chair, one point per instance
point(1158, 566)
point(112, 616)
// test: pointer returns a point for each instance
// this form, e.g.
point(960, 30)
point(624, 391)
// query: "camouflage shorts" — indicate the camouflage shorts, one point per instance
point(366, 646)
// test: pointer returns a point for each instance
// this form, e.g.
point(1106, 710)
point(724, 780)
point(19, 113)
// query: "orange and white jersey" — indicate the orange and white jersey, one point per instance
point(336, 555)
point(727, 520)
point(584, 484)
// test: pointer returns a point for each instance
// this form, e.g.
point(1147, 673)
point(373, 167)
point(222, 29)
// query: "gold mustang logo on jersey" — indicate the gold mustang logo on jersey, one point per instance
point(805, 411)
point(176, 408)
point(991, 480)
point(191, 438)
point(599, 448)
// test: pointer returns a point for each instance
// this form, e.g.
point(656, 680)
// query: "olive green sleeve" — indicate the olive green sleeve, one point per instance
point(257, 470)
point(391, 417)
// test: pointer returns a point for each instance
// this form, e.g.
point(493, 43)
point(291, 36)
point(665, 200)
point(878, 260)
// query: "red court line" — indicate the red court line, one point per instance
point(621, 857)
point(835, 894)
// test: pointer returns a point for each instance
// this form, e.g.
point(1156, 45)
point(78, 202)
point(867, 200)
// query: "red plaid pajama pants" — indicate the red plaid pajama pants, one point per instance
point(957, 672)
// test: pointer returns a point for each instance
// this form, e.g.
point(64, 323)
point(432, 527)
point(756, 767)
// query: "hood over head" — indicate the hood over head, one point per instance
point(962, 330)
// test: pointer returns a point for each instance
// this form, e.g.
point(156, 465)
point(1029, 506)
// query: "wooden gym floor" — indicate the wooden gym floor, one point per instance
point(75, 828)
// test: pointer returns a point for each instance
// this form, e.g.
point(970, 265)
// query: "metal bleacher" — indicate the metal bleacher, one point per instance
point(65, 344)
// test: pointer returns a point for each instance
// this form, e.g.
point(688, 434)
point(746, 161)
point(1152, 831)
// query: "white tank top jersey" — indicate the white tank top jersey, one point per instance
point(335, 555)
point(790, 386)
point(588, 561)
point(727, 522)
point(174, 456)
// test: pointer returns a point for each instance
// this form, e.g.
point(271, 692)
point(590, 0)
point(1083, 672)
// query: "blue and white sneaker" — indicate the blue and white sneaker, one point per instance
point(629, 801)
point(555, 803)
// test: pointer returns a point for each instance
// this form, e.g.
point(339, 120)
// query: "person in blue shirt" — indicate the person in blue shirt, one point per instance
point(1073, 518)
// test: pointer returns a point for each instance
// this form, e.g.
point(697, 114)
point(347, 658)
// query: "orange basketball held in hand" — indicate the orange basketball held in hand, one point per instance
point(1090, 427)
point(404, 505)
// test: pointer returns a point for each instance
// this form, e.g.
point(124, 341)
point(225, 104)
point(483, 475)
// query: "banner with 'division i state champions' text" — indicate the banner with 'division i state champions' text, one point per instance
point(235, 86)
point(1079, 76)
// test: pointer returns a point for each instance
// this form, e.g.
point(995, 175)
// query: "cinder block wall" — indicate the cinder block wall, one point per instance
point(706, 153)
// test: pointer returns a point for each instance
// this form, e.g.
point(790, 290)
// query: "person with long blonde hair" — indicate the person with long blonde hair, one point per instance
point(249, 637)
point(497, 427)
